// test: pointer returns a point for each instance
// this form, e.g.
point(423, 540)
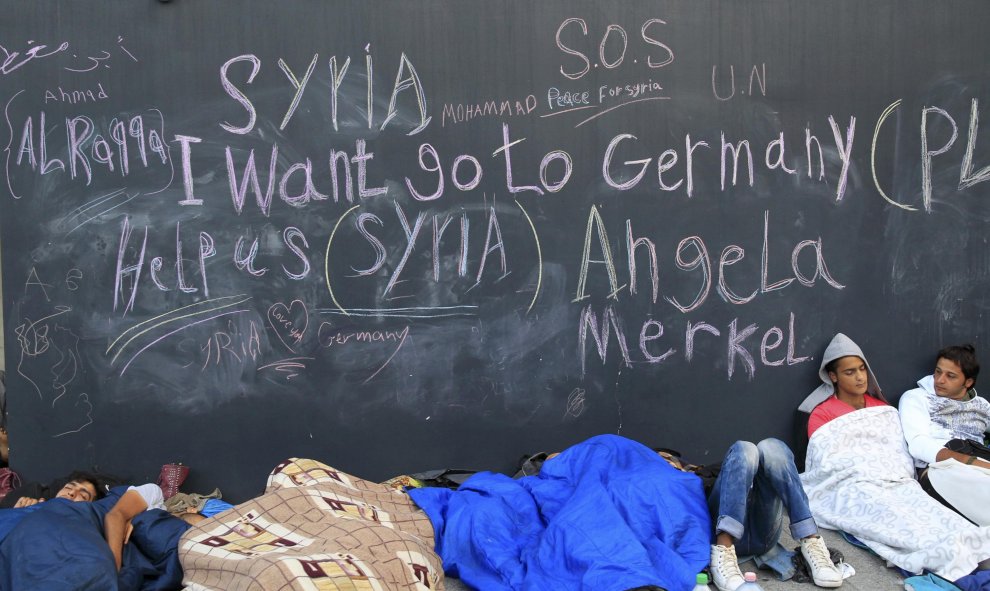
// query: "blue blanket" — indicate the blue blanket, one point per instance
point(59, 545)
point(607, 514)
point(9, 518)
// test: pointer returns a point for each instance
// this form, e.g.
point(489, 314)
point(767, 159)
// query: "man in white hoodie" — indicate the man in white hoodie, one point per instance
point(944, 422)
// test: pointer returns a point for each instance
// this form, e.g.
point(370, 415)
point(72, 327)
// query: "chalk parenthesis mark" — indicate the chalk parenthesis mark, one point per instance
point(10, 126)
point(873, 156)
point(539, 258)
point(326, 263)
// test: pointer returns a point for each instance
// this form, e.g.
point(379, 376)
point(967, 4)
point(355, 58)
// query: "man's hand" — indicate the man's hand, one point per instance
point(27, 502)
point(945, 454)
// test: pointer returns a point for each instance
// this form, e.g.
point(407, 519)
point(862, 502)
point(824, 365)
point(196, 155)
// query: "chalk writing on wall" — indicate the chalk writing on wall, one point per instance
point(554, 224)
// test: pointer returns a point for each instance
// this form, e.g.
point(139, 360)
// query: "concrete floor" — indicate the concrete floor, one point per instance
point(871, 571)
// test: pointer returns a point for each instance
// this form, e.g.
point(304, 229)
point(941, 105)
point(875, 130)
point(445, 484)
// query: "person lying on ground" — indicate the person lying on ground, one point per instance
point(79, 486)
point(945, 422)
point(860, 478)
point(747, 503)
point(31, 493)
point(608, 514)
point(86, 487)
point(117, 542)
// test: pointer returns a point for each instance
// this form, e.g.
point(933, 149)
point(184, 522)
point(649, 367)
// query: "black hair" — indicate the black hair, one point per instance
point(831, 365)
point(965, 357)
point(81, 476)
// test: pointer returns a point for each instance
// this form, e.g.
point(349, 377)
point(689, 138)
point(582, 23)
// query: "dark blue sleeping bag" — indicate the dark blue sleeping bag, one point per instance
point(9, 518)
point(60, 546)
point(151, 558)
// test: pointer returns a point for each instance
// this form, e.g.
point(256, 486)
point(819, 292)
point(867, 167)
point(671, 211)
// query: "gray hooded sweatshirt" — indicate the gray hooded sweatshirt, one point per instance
point(841, 346)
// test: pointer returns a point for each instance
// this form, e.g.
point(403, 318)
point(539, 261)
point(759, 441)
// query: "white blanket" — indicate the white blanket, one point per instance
point(860, 479)
point(964, 487)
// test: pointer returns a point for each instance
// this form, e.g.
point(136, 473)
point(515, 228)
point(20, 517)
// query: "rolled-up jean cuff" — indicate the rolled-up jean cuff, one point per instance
point(804, 528)
point(730, 526)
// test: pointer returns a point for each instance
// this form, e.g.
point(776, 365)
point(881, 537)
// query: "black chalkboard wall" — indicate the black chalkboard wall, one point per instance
point(405, 235)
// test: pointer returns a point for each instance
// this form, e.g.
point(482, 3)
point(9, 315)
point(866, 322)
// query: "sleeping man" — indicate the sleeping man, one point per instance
point(83, 487)
point(121, 541)
point(77, 486)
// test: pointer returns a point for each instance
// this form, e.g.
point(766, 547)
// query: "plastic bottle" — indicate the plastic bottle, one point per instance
point(701, 582)
point(750, 584)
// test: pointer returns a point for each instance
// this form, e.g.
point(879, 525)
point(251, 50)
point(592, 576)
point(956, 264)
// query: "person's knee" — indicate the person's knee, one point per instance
point(744, 451)
point(775, 452)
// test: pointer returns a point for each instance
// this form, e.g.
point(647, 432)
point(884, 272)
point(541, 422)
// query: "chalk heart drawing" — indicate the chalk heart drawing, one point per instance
point(289, 322)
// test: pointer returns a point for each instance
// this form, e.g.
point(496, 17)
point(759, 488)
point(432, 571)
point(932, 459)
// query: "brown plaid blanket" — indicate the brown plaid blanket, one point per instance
point(315, 528)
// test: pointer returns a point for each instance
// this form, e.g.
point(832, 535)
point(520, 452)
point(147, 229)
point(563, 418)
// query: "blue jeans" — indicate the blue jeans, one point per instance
point(754, 486)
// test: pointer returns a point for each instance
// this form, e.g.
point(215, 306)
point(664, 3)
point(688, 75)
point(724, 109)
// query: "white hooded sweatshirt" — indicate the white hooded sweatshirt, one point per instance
point(930, 421)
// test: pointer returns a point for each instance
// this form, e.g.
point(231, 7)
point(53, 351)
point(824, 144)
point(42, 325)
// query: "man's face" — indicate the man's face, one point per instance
point(950, 382)
point(77, 491)
point(850, 376)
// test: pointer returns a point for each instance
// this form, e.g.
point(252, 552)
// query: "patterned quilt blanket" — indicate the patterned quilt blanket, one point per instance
point(860, 479)
point(315, 528)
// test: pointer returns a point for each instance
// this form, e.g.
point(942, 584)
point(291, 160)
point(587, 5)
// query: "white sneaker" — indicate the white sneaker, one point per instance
point(725, 568)
point(823, 571)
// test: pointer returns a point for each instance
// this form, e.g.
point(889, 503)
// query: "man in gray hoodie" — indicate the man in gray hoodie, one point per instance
point(944, 422)
point(848, 384)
